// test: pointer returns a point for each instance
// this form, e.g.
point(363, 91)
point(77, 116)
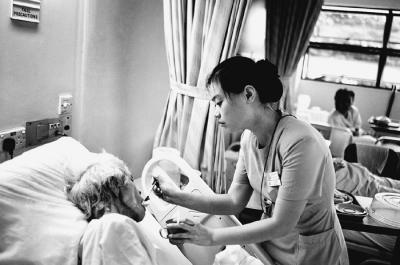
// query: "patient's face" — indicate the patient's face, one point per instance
point(131, 202)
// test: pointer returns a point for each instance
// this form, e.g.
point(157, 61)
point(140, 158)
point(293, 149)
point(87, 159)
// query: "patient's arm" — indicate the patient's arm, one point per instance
point(358, 180)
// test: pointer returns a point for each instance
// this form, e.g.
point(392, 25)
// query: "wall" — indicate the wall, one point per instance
point(37, 61)
point(109, 54)
point(370, 101)
point(252, 43)
point(124, 83)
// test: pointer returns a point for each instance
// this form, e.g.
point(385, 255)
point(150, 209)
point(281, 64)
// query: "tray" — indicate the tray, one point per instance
point(351, 209)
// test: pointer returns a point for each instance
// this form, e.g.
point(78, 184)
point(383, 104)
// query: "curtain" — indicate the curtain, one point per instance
point(290, 24)
point(198, 35)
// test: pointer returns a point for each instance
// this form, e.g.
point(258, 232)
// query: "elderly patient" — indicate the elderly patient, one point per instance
point(106, 194)
point(358, 180)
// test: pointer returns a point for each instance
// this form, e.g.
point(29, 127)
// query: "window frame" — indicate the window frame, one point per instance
point(383, 52)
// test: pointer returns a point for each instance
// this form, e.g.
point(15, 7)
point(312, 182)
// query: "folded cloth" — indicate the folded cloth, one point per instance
point(373, 157)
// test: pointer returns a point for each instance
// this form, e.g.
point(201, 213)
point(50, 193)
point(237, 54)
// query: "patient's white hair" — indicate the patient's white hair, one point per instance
point(93, 191)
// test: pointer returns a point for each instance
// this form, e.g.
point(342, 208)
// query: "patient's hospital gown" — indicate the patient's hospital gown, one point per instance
point(116, 239)
point(358, 180)
point(302, 160)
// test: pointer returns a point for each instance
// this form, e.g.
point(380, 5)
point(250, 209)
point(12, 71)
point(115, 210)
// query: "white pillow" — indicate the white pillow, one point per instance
point(38, 225)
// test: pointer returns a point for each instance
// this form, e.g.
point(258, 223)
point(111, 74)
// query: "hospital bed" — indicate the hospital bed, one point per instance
point(38, 225)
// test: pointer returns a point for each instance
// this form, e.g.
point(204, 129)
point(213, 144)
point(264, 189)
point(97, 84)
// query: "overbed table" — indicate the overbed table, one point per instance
point(393, 129)
point(367, 225)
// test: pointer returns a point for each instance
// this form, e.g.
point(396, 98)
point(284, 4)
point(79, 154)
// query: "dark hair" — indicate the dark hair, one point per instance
point(343, 100)
point(235, 73)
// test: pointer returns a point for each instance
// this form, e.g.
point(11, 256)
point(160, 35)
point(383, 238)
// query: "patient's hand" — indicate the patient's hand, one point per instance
point(338, 163)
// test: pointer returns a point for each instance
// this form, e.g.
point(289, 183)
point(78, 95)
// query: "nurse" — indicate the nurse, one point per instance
point(283, 160)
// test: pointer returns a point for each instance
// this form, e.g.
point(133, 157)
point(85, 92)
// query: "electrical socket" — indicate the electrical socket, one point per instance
point(40, 131)
point(18, 134)
point(64, 104)
point(54, 125)
point(66, 122)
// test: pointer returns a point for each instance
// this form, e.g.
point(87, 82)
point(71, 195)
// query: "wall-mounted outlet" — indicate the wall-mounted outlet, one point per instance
point(54, 125)
point(66, 122)
point(41, 131)
point(64, 104)
point(18, 134)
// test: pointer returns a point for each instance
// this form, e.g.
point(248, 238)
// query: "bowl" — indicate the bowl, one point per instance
point(342, 197)
point(350, 209)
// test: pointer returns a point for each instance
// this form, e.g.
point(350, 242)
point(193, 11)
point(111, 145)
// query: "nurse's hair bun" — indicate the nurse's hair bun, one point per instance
point(233, 74)
point(267, 77)
point(268, 67)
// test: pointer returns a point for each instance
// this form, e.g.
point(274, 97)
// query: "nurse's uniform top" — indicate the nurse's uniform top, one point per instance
point(304, 165)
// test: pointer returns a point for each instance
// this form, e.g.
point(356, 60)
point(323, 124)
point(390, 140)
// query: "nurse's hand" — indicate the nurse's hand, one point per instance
point(196, 233)
point(164, 187)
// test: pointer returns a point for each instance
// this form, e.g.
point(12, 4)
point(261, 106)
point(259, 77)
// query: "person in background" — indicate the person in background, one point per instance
point(106, 194)
point(283, 160)
point(345, 114)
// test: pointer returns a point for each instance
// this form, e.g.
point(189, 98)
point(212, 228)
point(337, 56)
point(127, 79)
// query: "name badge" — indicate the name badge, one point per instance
point(273, 179)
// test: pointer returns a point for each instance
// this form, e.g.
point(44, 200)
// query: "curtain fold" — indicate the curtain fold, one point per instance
point(198, 35)
point(290, 24)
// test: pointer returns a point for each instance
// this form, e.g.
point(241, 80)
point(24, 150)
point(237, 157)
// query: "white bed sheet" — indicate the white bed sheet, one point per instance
point(38, 225)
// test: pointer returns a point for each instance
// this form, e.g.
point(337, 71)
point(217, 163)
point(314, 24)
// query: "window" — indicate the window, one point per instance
point(394, 40)
point(355, 46)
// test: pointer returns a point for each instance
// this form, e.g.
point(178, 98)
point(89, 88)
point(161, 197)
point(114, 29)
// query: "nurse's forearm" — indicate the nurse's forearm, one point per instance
point(210, 203)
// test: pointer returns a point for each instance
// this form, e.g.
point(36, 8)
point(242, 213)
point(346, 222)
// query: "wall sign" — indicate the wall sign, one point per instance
point(25, 10)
